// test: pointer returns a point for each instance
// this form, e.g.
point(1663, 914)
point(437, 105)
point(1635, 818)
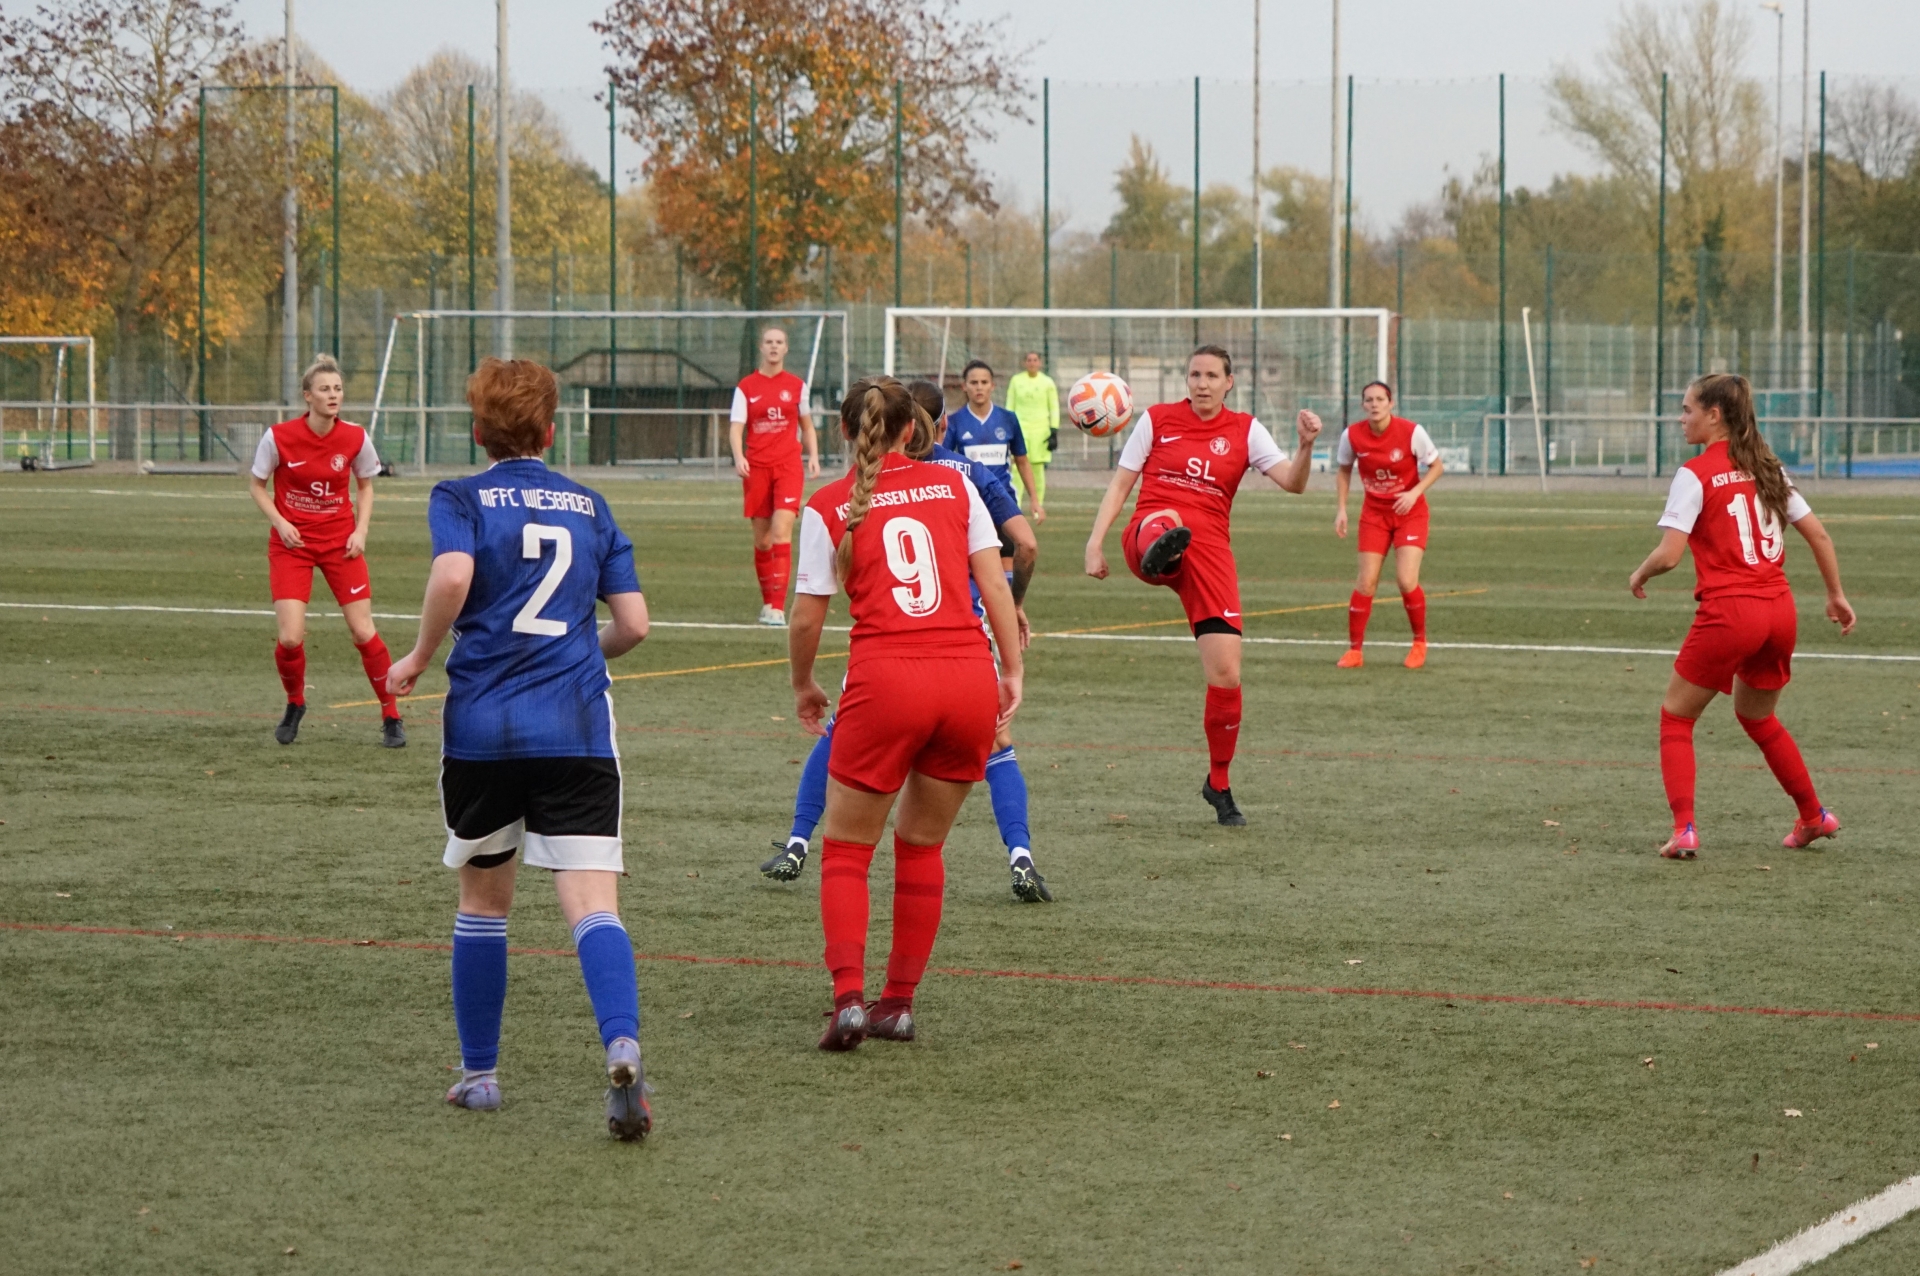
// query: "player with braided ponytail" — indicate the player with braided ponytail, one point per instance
point(921, 702)
point(1727, 505)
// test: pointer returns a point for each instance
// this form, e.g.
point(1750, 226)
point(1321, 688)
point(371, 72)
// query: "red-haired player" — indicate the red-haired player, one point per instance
point(299, 480)
point(1728, 505)
point(1193, 455)
point(921, 701)
point(1388, 452)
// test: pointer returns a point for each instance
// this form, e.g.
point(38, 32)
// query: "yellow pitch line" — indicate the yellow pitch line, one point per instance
point(622, 677)
point(1277, 611)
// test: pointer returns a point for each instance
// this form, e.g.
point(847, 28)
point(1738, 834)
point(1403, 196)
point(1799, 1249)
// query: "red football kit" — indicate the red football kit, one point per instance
point(1745, 625)
point(1388, 464)
point(770, 409)
point(921, 692)
point(1193, 468)
point(311, 474)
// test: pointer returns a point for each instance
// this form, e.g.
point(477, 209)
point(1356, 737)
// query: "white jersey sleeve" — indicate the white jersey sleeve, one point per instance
point(813, 565)
point(1139, 442)
point(1685, 499)
point(366, 463)
point(266, 457)
point(1343, 453)
point(738, 414)
point(981, 533)
point(806, 398)
point(1797, 507)
point(1423, 449)
point(1262, 452)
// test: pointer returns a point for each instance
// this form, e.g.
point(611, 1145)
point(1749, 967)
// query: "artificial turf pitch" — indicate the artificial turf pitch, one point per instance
point(174, 1102)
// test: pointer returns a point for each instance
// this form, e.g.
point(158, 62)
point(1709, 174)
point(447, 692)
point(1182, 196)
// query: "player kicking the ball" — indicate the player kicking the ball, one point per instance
point(921, 702)
point(1727, 505)
point(766, 455)
point(1388, 451)
point(529, 761)
point(1005, 783)
point(299, 481)
point(1193, 455)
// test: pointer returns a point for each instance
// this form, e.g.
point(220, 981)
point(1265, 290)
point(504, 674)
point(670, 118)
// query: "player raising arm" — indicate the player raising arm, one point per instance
point(1727, 505)
point(1388, 451)
point(766, 456)
point(1193, 455)
point(529, 754)
point(299, 481)
point(920, 704)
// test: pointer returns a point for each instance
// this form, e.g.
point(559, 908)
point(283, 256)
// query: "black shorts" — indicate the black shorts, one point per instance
point(564, 811)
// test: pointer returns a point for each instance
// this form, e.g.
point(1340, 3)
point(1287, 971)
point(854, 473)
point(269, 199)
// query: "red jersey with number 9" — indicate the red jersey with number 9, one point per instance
point(1737, 543)
point(908, 587)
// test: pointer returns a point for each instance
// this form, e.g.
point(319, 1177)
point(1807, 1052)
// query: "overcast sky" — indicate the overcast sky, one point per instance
point(1126, 66)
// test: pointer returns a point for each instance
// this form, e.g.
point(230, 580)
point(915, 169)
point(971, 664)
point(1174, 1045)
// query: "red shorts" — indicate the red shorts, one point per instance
point(1749, 637)
point(1381, 528)
point(290, 571)
point(1207, 579)
point(931, 714)
point(771, 486)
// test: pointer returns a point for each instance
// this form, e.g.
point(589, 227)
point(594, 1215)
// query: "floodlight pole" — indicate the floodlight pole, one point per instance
point(899, 192)
point(613, 237)
point(336, 223)
point(1259, 279)
point(200, 320)
point(1333, 170)
point(1501, 335)
point(503, 186)
point(753, 194)
point(1806, 200)
point(290, 239)
point(1779, 167)
point(473, 250)
point(1660, 292)
point(1195, 299)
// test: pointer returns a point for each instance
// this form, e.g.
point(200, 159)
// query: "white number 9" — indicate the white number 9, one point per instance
point(910, 557)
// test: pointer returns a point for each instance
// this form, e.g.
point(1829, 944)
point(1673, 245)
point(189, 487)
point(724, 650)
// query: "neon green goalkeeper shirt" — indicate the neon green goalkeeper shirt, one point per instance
point(1036, 401)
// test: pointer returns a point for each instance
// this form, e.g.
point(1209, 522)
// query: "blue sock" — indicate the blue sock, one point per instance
point(1009, 791)
point(606, 963)
point(811, 800)
point(479, 987)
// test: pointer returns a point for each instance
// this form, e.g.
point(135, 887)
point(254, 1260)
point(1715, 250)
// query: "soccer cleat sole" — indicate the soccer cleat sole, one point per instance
point(1165, 553)
point(846, 1030)
point(786, 865)
point(1029, 887)
point(1225, 809)
point(629, 1119)
point(289, 729)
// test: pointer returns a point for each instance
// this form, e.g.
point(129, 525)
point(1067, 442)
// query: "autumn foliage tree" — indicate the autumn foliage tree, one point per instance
point(816, 78)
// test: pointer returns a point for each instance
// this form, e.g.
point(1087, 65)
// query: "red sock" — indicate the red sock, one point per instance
point(782, 569)
point(1222, 722)
point(1359, 611)
point(1783, 759)
point(1416, 602)
point(919, 885)
point(292, 664)
point(763, 568)
point(1676, 765)
point(375, 660)
point(843, 915)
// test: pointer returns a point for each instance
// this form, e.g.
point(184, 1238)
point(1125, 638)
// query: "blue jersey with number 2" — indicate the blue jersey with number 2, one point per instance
point(526, 677)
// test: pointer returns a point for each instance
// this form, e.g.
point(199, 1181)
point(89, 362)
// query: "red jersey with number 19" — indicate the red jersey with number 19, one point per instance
point(908, 587)
point(1737, 543)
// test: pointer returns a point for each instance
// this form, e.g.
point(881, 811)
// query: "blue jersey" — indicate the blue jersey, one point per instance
point(526, 677)
point(993, 442)
point(994, 491)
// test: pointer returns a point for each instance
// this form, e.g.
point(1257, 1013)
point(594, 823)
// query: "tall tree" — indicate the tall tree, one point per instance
point(823, 72)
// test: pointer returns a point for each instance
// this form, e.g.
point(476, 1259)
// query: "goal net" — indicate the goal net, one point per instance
point(56, 423)
point(1283, 360)
point(637, 387)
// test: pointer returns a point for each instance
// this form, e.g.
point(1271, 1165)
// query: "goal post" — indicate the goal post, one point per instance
point(60, 344)
point(636, 386)
point(1283, 360)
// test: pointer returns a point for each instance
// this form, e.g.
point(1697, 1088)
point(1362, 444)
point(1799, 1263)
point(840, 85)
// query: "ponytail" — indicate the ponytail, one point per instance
point(1746, 446)
point(875, 414)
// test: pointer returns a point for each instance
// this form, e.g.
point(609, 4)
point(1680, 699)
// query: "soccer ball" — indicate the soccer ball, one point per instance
point(1100, 403)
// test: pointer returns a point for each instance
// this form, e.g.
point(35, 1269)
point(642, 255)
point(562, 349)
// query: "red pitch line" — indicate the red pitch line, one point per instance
point(962, 972)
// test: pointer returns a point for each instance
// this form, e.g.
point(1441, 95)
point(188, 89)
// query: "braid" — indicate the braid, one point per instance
point(1746, 445)
point(875, 413)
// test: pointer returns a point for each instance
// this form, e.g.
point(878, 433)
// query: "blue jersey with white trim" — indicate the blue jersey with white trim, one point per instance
point(526, 677)
point(995, 494)
point(992, 443)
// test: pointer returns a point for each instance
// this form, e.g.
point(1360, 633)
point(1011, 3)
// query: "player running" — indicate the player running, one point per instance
point(1005, 783)
point(299, 481)
point(1035, 399)
point(990, 435)
point(766, 456)
point(1194, 454)
point(919, 707)
point(529, 760)
point(1388, 451)
point(1727, 505)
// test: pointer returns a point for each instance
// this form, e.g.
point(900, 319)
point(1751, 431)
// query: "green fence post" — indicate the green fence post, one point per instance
point(1346, 269)
point(753, 195)
point(1501, 323)
point(1660, 294)
point(1195, 301)
point(338, 347)
point(899, 192)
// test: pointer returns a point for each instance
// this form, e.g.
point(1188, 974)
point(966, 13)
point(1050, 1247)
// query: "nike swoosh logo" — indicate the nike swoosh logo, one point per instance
point(294, 465)
point(356, 589)
point(1171, 438)
point(1229, 613)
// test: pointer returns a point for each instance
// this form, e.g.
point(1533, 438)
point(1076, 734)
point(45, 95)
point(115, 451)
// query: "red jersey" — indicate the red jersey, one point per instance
point(908, 586)
point(1737, 543)
point(1388, 462)
point(1192, 465)
point(311, 473)
point(770, 408)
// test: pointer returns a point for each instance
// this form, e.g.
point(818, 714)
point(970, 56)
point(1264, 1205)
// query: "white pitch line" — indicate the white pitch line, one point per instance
point(1804, 1249)
point(328, 615)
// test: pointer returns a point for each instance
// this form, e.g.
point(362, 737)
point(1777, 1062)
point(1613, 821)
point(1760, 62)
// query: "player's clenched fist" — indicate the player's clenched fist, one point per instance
point(1308, 425)
point(1096, 562)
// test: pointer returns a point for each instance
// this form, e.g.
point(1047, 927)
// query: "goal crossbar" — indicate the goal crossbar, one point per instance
point(63, 341)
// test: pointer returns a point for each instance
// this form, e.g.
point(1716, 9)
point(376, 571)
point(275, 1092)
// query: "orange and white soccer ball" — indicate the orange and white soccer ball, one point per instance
point(1100, 403)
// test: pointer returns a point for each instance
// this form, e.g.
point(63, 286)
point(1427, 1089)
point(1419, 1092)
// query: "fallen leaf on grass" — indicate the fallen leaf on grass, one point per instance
point(209, 773)
point(288, 1251)
point(1763, 868)
point(1300, 1046)
point(778, 718)
point(63, 894)
point(1287, 1137)
point(1792, 1112)
point(1153, 877)
point(693, 874)
point(1263, 1072)
point(844, 1147)
point(1873, 1045)
point(1355, 961)
point(1853, 1058)
point(1672, 971)
point(1013, 1265)
point(687, 1015)
point(144, 1210)
point(1116, 817)
point(1647, 1062)
point(405, 881)
point(1506, 1196)
point(1552, 824)
point(1334, 1104)
point(1233, 1187)
point(1589, 1262)
point(363, 943)
point(715, 1195)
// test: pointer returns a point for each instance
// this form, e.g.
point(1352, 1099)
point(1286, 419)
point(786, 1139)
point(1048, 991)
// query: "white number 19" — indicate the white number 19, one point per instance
point(1772, 544)
point(529, 620)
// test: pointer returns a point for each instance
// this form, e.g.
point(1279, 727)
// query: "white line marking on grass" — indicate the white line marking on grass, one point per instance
point(1825, 1238)
point(1468, 646)
point(334, 615)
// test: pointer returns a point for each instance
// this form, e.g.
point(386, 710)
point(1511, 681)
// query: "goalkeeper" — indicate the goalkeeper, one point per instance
point(1033, 397)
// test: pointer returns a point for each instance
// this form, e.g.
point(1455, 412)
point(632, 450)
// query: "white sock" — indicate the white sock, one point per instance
point(468, 1075)
point(1017, 853)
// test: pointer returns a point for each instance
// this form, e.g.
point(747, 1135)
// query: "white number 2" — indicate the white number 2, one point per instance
point(1772, 543)
point(910, 556)
point(529, 620)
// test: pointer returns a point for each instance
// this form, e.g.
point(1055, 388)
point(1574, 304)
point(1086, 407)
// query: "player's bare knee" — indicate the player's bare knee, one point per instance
point(293, 638)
